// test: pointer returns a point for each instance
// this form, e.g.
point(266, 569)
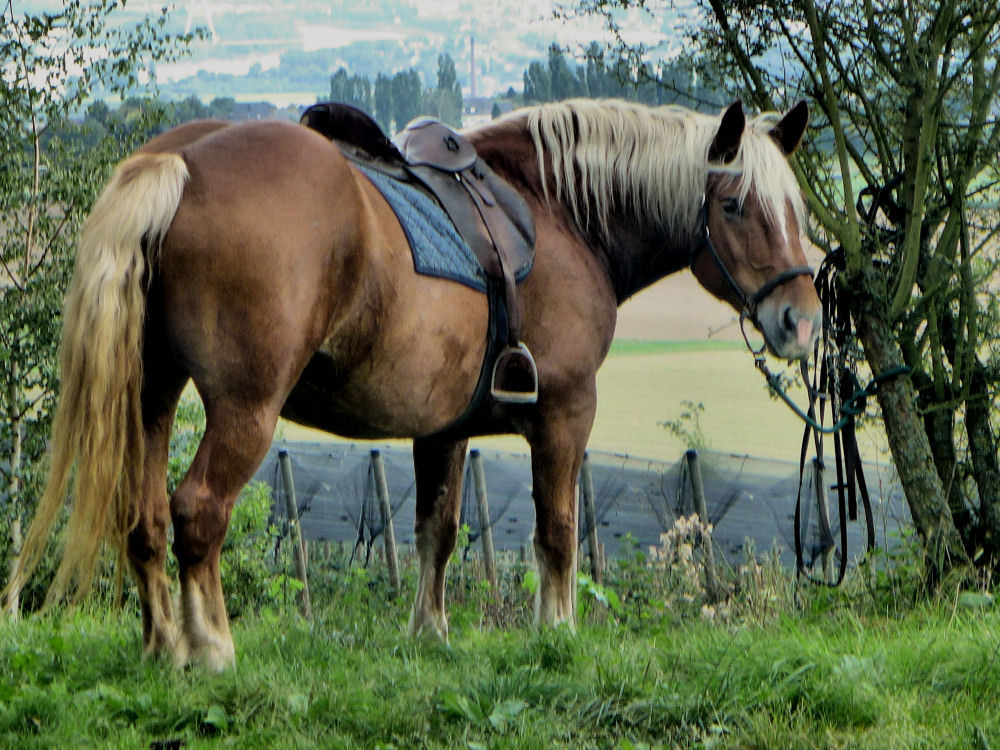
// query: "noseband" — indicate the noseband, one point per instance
point(750, 301)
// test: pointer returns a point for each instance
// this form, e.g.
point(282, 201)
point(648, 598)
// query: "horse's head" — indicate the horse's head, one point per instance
point(750, 250)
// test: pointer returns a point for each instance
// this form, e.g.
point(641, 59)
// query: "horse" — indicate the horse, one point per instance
point(255, 261)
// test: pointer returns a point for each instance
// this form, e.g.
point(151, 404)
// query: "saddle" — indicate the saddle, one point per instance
point(492, 218)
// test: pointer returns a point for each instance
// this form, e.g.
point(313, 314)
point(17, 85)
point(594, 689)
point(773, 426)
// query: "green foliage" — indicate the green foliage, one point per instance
point(407, 98)
point(446, 100)
point(590, 592)
point(530, 582)
point(461, 544)
point(249, 575)
point(382, 98)
point(355, 90)
point(189, 426)
point(608, 70)
point(51, 64)
point(687, 426)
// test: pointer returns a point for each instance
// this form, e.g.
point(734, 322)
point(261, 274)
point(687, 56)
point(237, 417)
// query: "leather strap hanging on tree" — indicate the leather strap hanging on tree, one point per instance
point(838, 383)
point(834, 382)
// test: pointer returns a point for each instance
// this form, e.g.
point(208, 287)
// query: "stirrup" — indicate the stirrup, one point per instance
point(515, 377)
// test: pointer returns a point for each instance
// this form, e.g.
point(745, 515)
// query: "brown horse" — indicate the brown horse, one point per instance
point(255, 261)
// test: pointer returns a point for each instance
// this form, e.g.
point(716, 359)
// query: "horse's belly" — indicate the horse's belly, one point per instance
point(413, 393)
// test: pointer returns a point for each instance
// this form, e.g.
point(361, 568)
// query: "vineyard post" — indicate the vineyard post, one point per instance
point(823, 509)
point(590, 518)
point(479, 477)
point(701, 506)
point(385, 508)
point(298, 546)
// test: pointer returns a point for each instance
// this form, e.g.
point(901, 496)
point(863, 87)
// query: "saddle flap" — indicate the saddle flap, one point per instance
point(427, 141)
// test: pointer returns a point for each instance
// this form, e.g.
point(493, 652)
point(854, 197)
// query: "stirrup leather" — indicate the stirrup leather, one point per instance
point(515, 377)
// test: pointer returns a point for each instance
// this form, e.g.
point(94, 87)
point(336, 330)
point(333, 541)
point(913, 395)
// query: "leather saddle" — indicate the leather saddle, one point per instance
point(487, 212)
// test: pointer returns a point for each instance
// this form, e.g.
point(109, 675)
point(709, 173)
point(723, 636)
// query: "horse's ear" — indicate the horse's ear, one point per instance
point(727, 140)
point(789, 131)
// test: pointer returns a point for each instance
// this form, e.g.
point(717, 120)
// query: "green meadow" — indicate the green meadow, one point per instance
point(654, 663)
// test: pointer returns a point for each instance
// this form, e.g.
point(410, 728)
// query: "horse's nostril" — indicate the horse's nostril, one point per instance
point(788, 320)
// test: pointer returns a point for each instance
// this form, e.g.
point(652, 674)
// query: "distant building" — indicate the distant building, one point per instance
point(253, 111)
point(479, 110)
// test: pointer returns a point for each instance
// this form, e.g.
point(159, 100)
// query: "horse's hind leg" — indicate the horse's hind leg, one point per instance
point(438, 468)
point(147, 543)
point(237, 437)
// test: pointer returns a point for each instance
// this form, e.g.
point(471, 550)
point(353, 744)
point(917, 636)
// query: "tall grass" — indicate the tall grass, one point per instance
point(657, 661)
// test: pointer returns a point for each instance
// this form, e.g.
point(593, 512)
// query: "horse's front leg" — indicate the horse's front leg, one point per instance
point(437, 466)
point(557, 444)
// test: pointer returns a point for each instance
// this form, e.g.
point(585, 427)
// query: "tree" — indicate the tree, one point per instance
point(599, 81)
point(906, 99)
point(383, 102)
point(221, 107)
point(185, 110)
point(407, 97)
point(447, 97)
point(51, 64)
point(355, 90)
point(564, 83)
point(537, 84)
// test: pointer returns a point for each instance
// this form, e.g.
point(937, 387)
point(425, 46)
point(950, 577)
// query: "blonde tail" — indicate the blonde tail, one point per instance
point(97, 426)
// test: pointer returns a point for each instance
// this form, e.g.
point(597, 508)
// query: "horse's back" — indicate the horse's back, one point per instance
point(182, 135)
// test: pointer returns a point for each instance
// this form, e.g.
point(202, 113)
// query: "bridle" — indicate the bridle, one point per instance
point(750, 301)
point(834, 381)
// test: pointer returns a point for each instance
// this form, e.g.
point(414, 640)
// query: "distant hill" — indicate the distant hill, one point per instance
point(286, 51)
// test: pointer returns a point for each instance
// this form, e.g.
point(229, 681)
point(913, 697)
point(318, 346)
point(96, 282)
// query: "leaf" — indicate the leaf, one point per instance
point(460, 705)
point(505, 712)
point(217, 717)
point(530, 582)
point(614, 602)
point(975, 600)
point(298, 703)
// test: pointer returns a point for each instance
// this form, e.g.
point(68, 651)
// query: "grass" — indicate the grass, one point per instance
point(629, 347)
point(871, 666)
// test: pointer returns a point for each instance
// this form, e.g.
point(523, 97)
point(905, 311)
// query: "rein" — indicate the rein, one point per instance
point(835, 382)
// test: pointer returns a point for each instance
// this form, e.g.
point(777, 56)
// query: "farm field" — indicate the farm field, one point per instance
point(861, 670)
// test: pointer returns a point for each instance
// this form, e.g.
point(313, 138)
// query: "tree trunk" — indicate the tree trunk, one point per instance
point(985, 468)
point(12, 606)
point(909, 444)
point(939, 424)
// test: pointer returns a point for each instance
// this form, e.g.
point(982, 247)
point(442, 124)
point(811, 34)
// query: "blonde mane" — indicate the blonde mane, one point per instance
point(608, 155)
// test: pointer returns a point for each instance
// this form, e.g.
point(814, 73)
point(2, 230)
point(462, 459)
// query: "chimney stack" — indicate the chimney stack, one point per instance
point(472, 65)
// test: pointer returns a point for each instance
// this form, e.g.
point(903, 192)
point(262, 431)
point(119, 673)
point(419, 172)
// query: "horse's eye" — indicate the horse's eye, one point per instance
point(731, 207)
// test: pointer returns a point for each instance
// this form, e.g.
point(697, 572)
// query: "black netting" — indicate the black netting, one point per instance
point(634, 499)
